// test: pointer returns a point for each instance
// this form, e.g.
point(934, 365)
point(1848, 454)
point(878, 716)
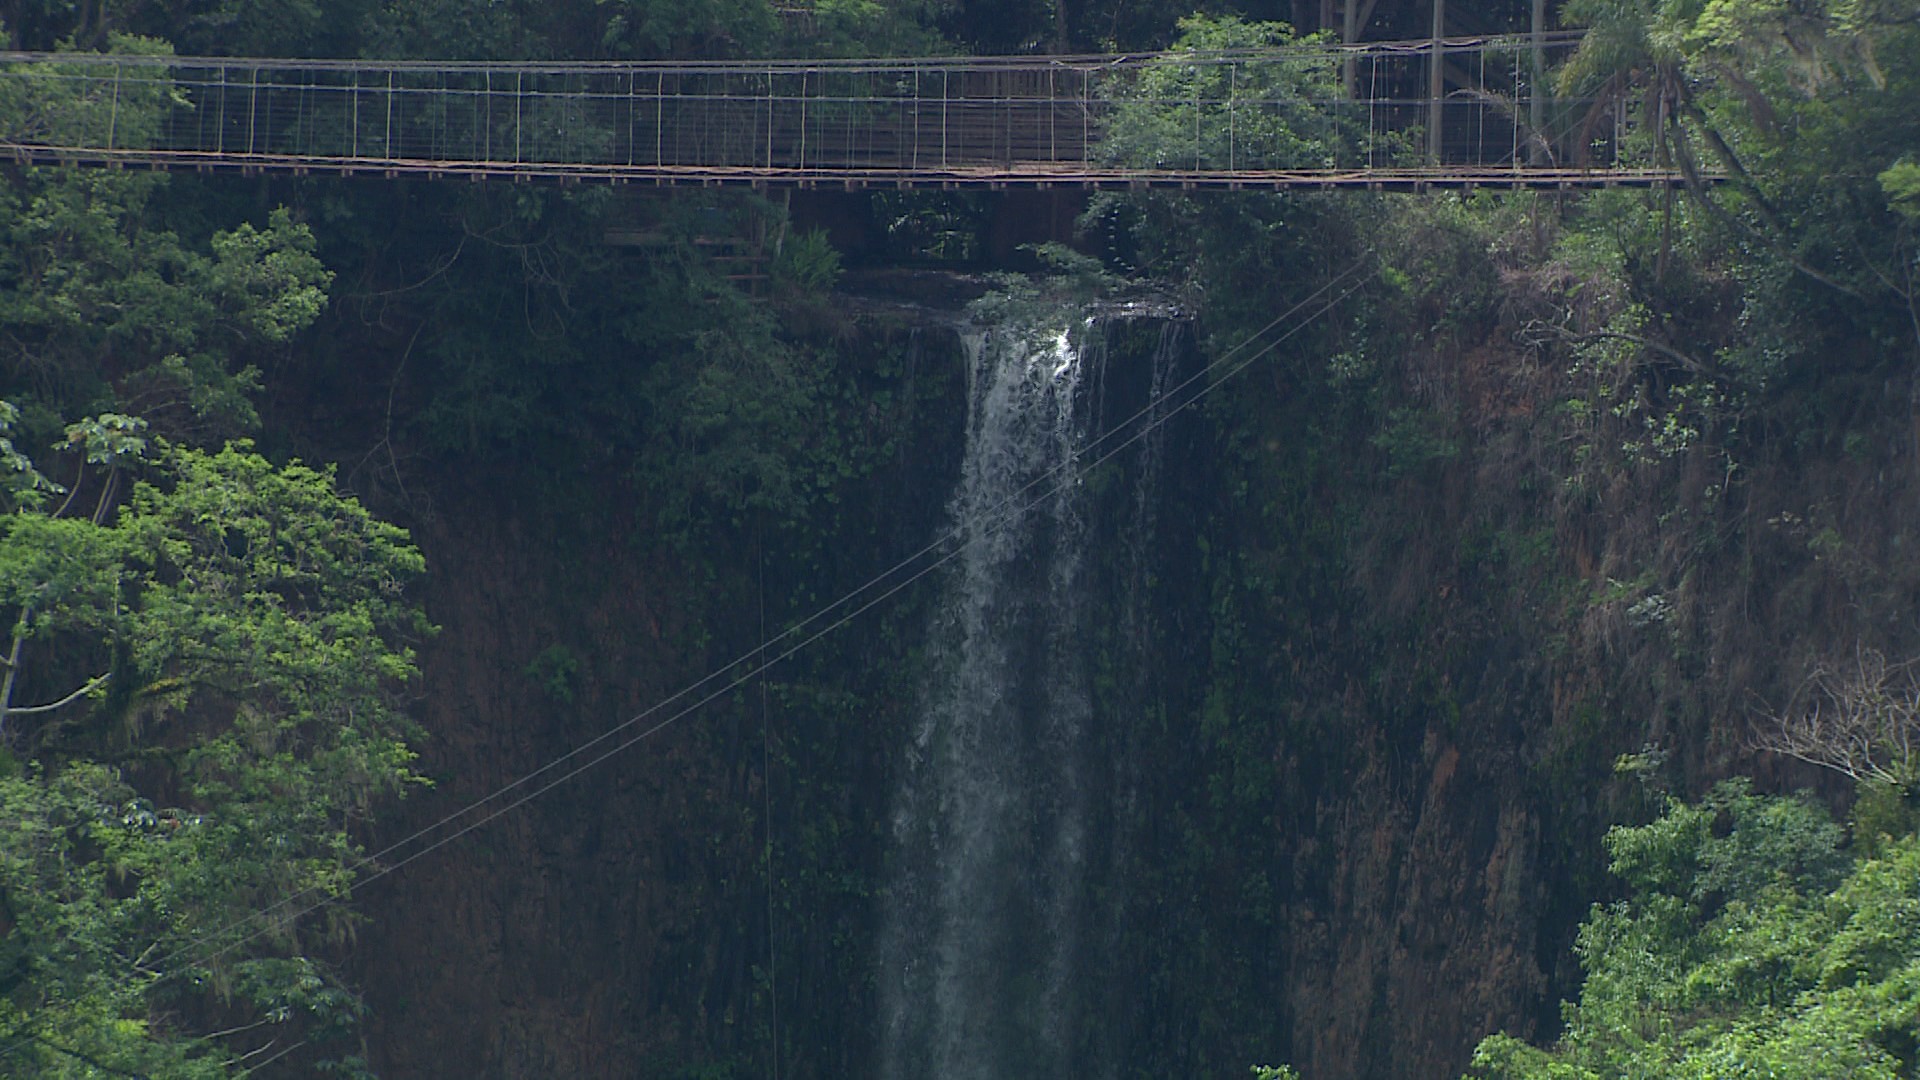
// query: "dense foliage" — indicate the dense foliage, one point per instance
point(206, 652)
point(1750, 943)
point(1211, 114)
point(172, 817)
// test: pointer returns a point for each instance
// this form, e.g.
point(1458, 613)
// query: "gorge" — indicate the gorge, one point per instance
point(1236, 628)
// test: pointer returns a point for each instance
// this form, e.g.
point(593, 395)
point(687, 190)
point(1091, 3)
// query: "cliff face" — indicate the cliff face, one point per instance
point(1397, 637)
point(618, 924)
point(577, 932)
point(1487, 604)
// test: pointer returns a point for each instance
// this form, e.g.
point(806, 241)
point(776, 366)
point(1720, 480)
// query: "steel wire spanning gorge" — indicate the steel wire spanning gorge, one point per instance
point(1313, 116)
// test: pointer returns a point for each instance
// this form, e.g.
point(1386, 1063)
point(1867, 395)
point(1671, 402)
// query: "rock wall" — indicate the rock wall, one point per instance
point(1375, 751)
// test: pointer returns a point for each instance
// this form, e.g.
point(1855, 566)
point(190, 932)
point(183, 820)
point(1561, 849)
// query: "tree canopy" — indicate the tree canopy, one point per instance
point(1751, 943)
point(206, 653)
point(216, 670)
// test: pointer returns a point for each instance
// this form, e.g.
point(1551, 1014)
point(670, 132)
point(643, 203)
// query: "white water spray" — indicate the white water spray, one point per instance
point(979, 954)
point(1005, 822)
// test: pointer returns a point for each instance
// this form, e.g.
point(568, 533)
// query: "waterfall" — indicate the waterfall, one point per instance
point(1004, 819)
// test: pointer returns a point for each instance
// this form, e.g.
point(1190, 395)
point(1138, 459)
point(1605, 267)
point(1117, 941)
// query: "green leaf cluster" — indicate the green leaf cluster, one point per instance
point(1804, 112)
point(1750, 944)
point(67, 105)
point(1210, 109)
point(171, 819)
point(90, 290)
point(104, 303)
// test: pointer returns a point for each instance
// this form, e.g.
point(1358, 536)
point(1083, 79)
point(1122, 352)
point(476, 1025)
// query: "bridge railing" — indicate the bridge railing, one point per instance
point(1308, 108)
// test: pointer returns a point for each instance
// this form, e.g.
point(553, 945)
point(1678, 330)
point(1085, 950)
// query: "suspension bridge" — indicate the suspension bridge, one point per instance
point(1439, 113)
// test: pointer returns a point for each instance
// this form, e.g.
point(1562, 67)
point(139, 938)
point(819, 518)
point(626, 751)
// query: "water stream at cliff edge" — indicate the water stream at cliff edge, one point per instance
point(984, 958)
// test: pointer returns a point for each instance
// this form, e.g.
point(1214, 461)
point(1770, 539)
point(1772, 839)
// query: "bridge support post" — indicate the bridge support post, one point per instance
point(1349, 30)
point(1537, 89)
point(1437, 83)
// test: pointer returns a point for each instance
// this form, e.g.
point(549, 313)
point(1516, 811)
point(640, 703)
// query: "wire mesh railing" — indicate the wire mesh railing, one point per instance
point(1188, 117)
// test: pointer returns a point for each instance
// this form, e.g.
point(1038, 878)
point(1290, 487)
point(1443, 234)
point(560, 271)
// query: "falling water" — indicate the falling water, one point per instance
point(978, 955)
point(984, 960)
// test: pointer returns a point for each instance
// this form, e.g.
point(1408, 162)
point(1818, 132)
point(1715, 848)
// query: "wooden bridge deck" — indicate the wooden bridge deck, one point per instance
point(1270, 119)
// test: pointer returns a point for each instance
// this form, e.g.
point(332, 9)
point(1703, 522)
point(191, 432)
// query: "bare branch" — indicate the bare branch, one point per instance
point(1693, 364)
point(86, 1059)
point(1861, 719)
point(106, 496)
point(241, 1030)
point(272, 1059)
point(79, 479)
point(13, 664)
point(93, 684)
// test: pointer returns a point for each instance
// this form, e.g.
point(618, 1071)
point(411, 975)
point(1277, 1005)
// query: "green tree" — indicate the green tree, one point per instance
point(205, 654)
point(1211, 106)
point(223, 661)
point(1749, 944)
point(1802, 110)
point(104, 305)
